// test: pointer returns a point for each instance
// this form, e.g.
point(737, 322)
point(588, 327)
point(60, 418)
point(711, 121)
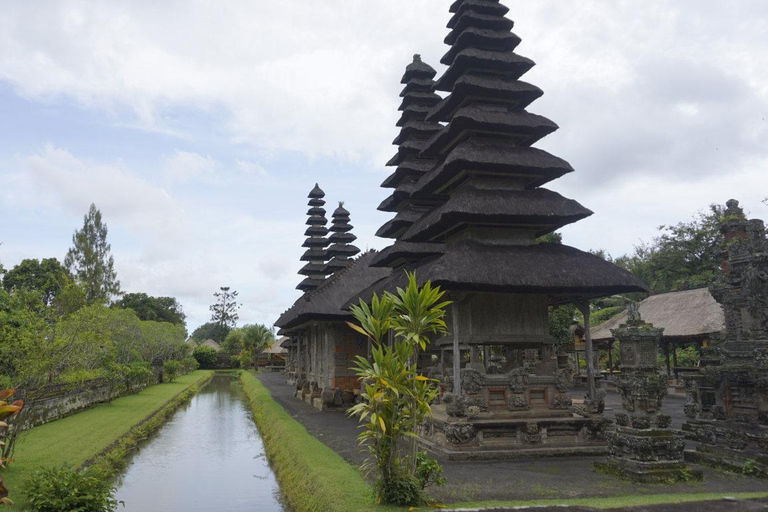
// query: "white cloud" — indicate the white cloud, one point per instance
point(184, 166)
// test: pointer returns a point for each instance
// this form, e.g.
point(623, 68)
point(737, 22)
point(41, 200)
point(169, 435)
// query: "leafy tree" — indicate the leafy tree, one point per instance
point(159, 309)
point(206, 356)
point(247, 342)
point(224, 310)
point(685, 256)
point(210, 331)
point(90, 260)
point(46, 276)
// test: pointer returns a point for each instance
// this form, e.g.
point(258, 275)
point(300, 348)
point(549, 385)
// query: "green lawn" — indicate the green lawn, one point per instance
point(85, 435)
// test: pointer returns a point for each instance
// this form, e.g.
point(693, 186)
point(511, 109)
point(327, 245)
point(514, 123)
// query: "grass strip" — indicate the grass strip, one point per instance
point(314, 478)
point(103, 435)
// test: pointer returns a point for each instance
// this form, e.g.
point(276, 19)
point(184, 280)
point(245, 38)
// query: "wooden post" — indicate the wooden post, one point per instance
point(456, 351)
point(669, 369)
point(674, 361)
point(589, 354)
point(610, 358)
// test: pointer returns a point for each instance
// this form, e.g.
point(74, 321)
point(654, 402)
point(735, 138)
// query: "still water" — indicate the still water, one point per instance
point(209, 456)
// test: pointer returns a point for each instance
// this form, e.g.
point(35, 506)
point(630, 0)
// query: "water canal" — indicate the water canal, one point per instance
point(209, 456)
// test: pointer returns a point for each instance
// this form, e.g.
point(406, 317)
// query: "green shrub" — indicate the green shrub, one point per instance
point(172, 369)
point(190, 364)
point(138, 375)
point(206, 356)
point(65, 489)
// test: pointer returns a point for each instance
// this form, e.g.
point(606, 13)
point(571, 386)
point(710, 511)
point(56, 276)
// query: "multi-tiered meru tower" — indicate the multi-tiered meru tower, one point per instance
point(468, 219)
point(316, 255)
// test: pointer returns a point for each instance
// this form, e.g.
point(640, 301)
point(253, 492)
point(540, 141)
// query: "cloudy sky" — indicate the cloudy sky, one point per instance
point(198, 128)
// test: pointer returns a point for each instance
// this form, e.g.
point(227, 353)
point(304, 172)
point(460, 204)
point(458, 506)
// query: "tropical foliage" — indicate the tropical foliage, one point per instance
point(396, 398)
point(247, 342)
point(65, 489)
point(7, 411)
point(205, 356)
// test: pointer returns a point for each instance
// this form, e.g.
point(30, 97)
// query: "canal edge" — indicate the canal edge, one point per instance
point(114, 458)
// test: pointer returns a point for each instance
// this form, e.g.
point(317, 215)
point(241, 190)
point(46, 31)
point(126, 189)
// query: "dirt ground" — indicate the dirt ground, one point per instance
point(547, 478)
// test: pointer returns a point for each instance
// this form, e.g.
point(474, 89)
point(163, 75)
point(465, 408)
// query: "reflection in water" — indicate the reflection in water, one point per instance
point(209, 456)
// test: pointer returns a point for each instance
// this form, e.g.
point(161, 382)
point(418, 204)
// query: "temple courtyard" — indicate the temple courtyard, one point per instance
point(516, 480)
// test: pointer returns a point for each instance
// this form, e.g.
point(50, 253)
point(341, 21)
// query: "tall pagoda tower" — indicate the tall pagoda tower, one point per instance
point(316, 255)
point(485, 206)
point(415, 132)
point(341, 250)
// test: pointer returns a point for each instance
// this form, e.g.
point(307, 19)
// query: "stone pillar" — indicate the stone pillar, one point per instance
point(643, 447)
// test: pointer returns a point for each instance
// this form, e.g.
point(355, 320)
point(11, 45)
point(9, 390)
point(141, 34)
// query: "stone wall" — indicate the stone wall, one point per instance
point(62, 400)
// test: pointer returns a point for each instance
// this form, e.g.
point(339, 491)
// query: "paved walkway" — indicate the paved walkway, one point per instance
point(557, 478)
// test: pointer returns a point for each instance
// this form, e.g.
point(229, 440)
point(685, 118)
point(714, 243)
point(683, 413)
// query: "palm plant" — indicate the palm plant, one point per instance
point(7, 411)
point(396, 399)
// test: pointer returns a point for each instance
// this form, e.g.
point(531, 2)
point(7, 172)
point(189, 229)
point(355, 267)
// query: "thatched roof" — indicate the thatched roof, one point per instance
point(212, 344)
point(551, 269)
point(328, 301)
point(682, 314)
point(542, 208)
point(277, 347)
point(404, 252)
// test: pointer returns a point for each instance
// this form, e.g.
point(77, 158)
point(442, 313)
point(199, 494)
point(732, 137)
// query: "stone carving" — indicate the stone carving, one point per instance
point(454, 405)
point(459, 433)
point(561, 401)
point(642, 447)
point(518, 380)
point(531, 434)
point(563, 380)
point(728, 398)
point(476, 401)
point(518, 403)
point(471, 381)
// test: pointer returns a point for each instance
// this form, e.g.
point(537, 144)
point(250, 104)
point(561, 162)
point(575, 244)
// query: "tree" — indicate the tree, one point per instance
point(396, 399)
point(47, 277)
point(210, 331)
point(224, 310)
point(685, 256)
point(158, 309)
point(90, 260)
point(205, 356)
point(247, 342)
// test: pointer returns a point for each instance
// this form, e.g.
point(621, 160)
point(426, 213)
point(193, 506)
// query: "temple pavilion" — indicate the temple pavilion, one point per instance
point(469, 207)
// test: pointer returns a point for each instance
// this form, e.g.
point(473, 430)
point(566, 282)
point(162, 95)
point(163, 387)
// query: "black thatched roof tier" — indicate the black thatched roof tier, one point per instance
point(328, 301)
point(309, 284)
point(541, 210)
point(507, 64)
point(316, 231)
point(419, 98)
point(340, 237)
point(400, 224)
point(315, 242)
point(401, 253)
point(491, 158)
point(409, 168)
point(336, 265)
point(407, 149)
point(342, 250)
point(416, 129)
point(550, 269)
point(316, 193)
point(413, 112)
point(488, 39)
point(417, 70)
point(470, 19)
point(393, 202)
point(312, 269)
point(480, 6)
point(314, 254)
point(317, 220)
point(316, 203)
point(418, 85)
point(513, 93)
point(519, 126)
point(316, 210)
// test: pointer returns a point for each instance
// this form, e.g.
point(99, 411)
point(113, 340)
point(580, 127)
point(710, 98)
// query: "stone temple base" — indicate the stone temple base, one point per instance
point(648, 455)
point(729, 445)
point(533, 435)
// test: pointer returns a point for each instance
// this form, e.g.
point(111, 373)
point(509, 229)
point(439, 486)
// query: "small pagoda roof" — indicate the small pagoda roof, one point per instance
point(316, 211)
point(411, 167)
point(401, 253)
point(492, 158)
point(507, 64)
point(549, 269)
point(400, 194)
point(515, 93)
point(417, 85)
point(313, 269)
point(314, 254)
point(316, 193)
point(342, 250)
point(417, 70)
point(469, 19)
point(328, 301)
point(471, 205)
point(684, 314)
point(521, 126)
point(316, 242)
point(342, 237)
point(414, 111)
point(316, 231)
point(309, 284)
point(419, 98)
point(416, 129)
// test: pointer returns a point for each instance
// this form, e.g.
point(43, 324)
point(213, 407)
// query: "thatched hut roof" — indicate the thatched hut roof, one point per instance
point(328, 301)
point(688, 313)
